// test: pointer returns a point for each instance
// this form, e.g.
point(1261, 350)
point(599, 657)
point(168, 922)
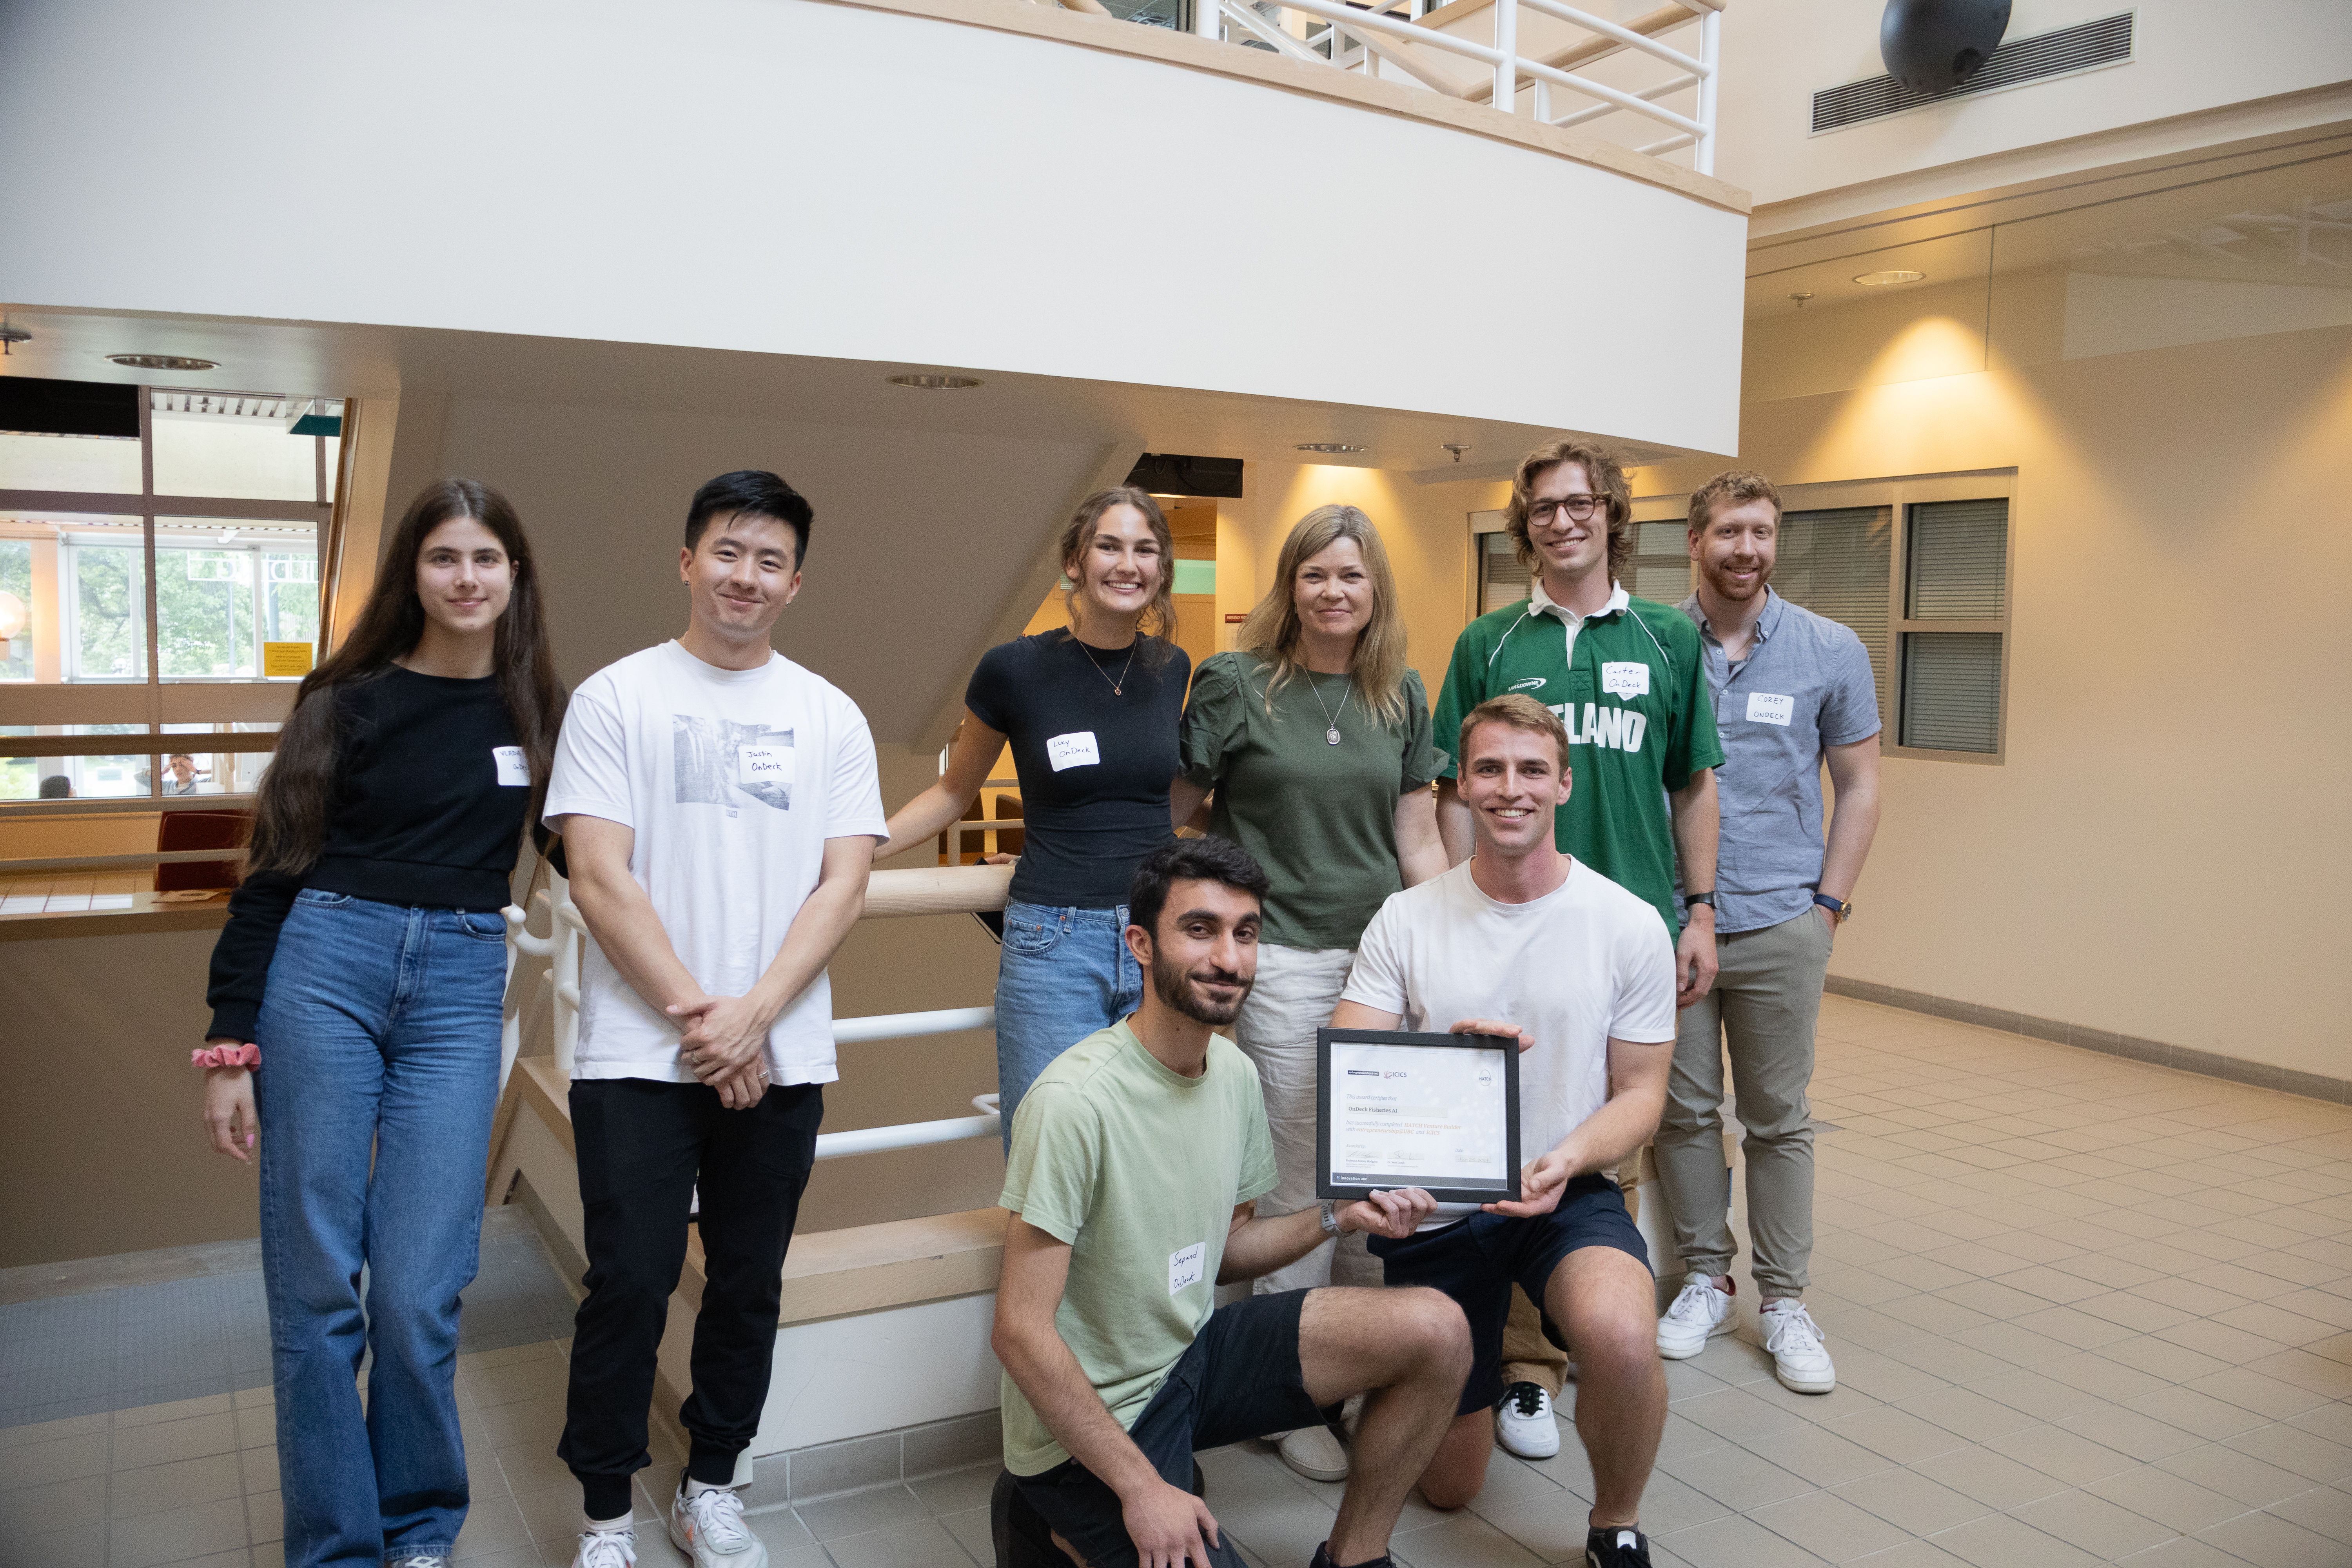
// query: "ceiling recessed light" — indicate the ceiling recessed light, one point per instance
point(1326, 446)
point(935, 383)
point(162, 362)
point(1891, 276)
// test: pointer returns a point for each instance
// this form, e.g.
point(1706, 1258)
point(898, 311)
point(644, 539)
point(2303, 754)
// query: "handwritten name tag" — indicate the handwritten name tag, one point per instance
point(1074, 750)
point(514, 768)
point(1764, 708)
point(1184, 1266)
point(763, 765)
point(1631, 680)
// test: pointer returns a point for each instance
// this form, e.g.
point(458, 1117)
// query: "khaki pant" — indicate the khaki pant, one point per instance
point(1765, 1000)
point(1295, 990)
point(1528, 1357)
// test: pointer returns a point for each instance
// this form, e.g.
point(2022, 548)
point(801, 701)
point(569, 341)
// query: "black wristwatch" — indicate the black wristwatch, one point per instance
point(1707, 898)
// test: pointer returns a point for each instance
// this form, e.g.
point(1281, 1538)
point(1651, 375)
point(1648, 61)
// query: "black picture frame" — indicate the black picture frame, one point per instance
point(1505, 1191)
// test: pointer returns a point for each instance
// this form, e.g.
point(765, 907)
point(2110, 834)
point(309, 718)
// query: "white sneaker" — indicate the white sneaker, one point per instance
point(1798, 1358)
point(1523, 1421)
point(708, 1528)
point(1314, 1453)
point(606, 1549)
point(1701, 1313)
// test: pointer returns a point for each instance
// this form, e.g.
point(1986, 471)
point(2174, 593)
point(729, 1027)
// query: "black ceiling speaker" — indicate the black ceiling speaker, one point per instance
point(1933, 45)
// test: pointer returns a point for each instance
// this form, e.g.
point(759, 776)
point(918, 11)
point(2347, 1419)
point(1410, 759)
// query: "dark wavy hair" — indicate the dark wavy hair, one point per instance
point(1190, 860)
point(296, 794)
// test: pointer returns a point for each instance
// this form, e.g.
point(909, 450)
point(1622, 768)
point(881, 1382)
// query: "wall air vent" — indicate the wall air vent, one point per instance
point(2085, 46)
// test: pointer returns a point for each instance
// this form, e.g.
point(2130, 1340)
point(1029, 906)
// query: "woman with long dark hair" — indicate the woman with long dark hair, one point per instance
point(1091, 716)
point(356, 996)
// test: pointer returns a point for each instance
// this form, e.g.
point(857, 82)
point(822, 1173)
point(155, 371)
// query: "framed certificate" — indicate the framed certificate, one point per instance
point(1436, 1111)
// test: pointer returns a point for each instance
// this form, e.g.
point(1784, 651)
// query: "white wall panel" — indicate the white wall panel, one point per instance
point(790, 177)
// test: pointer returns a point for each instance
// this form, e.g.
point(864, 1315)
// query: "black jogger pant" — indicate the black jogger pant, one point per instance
point(643, 1145)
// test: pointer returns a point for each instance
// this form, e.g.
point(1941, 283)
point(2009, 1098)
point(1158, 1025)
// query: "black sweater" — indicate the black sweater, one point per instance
point(420, 819)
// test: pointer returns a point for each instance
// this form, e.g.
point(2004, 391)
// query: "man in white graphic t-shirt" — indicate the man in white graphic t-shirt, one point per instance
point(1522, 940)
point(719, 809)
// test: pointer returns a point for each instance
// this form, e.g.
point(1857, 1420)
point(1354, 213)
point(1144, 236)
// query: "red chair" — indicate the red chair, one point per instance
point(200, 830)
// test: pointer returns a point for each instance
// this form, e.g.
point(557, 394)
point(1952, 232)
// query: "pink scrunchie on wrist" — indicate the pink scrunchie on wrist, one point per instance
point(225, 1057)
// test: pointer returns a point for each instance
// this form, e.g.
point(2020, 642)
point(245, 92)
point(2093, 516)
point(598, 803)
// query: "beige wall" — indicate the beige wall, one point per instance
point(2157, 852)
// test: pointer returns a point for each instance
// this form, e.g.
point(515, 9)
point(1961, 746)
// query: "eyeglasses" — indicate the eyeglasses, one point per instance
point(1580, 509)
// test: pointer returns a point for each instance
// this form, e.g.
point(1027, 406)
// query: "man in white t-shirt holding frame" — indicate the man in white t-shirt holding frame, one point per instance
point(1521, 939)
point(720, 809)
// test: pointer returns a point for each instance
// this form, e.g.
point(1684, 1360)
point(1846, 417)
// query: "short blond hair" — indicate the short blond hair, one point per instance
point(1517, 710)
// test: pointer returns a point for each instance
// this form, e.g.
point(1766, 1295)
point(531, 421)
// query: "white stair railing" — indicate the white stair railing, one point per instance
point(979, 888)
point(1365, 37)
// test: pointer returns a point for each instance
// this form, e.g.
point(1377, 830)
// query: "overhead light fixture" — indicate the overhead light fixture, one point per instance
point(1888, 279)
point(12, 335)
point(934, 383)
point(1800, 295)
point(1326, 446)
point(1457, 448)
point(162, 362)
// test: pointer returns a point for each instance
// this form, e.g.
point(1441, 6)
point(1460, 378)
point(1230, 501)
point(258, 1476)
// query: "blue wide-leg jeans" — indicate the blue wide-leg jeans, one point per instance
point(1064, 974)
point(379, 1037)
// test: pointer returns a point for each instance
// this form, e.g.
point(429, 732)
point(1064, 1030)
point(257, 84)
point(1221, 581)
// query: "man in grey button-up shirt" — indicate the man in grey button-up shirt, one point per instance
point(1792, 690)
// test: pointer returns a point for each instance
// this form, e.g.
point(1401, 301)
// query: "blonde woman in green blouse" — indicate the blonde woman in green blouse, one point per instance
point(1315, 738)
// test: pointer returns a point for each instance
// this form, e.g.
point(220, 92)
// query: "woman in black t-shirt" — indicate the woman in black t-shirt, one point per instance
point(365, 958)
point(1091, 714)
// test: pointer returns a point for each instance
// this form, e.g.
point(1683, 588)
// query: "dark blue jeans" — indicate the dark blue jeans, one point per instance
point(378, 1038)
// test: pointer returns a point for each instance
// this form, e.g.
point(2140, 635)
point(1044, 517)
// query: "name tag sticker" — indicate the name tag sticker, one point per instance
point(514, 768)
point(1184, 1266)
point(1764, 708)
point(1074, 750)
point(1625, 680)
point(763, 765)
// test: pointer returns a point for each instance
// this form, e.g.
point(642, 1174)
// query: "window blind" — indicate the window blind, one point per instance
point(1501, 579)
point(1951, 690)
point(1959, 560)
point(1661, 567)
point(1836, 563)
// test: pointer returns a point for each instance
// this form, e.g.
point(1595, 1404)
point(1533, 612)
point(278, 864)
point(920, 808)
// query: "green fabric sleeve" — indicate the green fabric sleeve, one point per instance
point(1692, 743)
point(1423, 759)
point(1213, 717)
point(1258, 1176)
point(1050, 1175)
point(1458, 696)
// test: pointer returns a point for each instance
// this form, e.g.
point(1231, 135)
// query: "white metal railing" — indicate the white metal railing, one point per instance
point(567, 934)
point(1386, 41)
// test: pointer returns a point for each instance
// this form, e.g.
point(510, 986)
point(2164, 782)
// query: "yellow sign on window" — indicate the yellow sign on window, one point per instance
point(286, 658)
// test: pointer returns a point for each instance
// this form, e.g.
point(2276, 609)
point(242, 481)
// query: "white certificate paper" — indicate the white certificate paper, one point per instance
point(1424, 1116)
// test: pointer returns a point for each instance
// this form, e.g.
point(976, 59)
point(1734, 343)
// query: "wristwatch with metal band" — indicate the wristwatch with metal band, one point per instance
point(1707, 898)
point(1839, 909)
point(1330, 1220)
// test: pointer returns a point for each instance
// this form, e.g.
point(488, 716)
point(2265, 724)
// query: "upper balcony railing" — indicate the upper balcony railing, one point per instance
point(1365, 39)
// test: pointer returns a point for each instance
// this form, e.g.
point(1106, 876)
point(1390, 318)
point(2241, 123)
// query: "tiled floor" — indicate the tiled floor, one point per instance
point(2084, 1310)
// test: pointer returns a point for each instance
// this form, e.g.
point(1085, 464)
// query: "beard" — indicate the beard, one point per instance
point(1173, 985)
point(1725, 588)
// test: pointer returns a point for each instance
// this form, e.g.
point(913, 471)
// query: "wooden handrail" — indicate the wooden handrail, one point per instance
point(1649, 24)
point(130, 862)
point(937, 890)
point(142, 745)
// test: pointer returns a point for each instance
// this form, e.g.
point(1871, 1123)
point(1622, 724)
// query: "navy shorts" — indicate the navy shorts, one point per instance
point(1477, 1260)
point(1240, 1378)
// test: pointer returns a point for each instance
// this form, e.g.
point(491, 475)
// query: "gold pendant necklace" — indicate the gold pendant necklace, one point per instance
point(1118, 687)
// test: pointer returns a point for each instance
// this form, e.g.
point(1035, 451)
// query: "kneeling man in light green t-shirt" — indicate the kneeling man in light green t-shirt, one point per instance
point(1138, 1158)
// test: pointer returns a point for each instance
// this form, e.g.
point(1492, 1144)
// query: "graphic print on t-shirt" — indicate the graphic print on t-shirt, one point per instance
point(719, 759)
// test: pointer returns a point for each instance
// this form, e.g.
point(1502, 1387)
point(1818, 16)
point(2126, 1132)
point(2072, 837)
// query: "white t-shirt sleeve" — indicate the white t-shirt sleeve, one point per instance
point(590, 776)
point(1643, 1010)
point(1377, 980)
point(853, 784)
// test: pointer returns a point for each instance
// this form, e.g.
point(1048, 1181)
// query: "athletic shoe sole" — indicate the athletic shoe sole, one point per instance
point(1729, 1324)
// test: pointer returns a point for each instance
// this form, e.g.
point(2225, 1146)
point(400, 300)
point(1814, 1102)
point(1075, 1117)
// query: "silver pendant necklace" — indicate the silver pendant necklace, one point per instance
point(1331, 734)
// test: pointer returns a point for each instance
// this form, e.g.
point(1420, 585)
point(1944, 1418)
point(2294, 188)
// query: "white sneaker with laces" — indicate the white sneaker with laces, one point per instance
point(1799, 1360)
point(1524, 1423)
point(708, 1528)
point(1701, 1313)
point(606, 1549)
